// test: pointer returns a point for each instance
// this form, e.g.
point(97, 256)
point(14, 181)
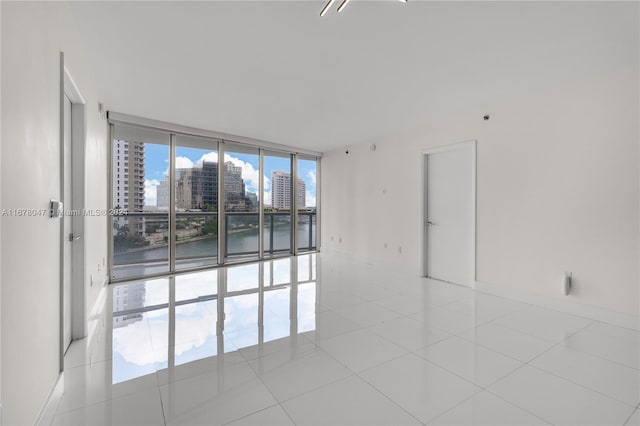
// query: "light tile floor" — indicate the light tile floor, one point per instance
point(342, 343)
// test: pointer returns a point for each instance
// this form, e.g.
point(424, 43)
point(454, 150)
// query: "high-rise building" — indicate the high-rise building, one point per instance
point(162, 194)
point(281, 190)
point(128, 184)
point(197, 187)
point(234, 188)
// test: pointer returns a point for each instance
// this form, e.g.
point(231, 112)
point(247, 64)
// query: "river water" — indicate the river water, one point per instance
point(242, 242)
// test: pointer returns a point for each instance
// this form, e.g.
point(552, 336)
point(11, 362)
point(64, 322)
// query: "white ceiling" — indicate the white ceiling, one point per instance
point(278, 72)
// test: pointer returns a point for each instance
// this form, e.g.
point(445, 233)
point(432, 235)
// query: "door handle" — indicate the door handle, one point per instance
point(428, 224)
point(74, 237)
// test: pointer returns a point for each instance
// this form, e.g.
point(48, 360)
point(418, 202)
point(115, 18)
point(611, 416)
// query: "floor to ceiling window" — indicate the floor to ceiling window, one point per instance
point(196, 202)
point(139, 229)
point(241, 202)
point(182, 201)
point(306, 202)
point(277, 203)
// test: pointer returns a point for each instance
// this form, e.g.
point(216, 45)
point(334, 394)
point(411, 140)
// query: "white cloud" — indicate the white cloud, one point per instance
point(151, 192)
point(210, 157)
point(250, 175)
point(183, 163)
point(312, 177)
point(266, 196)
point(310, 199)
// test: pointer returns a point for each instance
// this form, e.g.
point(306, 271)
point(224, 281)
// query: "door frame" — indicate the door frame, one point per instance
point(424, 202)
point(69, 89)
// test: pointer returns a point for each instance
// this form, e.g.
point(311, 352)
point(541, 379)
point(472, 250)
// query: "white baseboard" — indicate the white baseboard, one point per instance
point(51, 404)
point(565, 305)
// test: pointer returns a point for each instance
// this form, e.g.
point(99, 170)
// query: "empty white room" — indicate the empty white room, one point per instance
point(320, 212)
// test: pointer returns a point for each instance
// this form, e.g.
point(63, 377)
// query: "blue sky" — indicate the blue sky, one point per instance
point(157, 164)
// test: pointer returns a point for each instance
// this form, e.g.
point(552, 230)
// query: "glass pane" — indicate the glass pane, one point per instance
point(277, 204)
point(306, 196)
point(140, 226)
point(196, 188)
point(241, 202)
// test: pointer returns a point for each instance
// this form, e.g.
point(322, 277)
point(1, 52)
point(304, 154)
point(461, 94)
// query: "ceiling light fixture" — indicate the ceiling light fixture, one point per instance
point(326, 7)
point(342, 5)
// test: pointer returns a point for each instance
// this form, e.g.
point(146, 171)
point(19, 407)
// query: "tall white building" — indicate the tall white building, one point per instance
point(162, 194)
point(281, 190)
point(128, 183)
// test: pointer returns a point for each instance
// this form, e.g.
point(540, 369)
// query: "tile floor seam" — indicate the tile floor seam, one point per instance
point(380, 363)
point(391, 399)
point(492, 349)
point(533, 335)
point(164, 415)
point(287, 413)
point(600, 356)
point(285, 400)
point(405, 348)
point(493, 319)
point(521, 408)
point(250, 414)
point(566, 379)
point(581, 385)
point(466, 379)
point(626, 422)
point(502, 399)
point(259, 377)
point(93, 404)
point(102, 400)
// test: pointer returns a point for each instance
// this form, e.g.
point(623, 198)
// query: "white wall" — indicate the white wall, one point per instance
point(33, 34)
point(557, 190)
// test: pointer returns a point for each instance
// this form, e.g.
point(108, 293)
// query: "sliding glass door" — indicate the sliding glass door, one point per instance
point(196, 202)
point(241, 202)
point(306, 203)
point(277, 204)
point(140, 230)
point(182, 202)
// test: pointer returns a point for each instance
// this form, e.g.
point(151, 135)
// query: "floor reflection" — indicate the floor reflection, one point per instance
point(167, 323)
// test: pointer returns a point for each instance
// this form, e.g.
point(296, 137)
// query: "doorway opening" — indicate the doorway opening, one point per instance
point(449, 213)
point(72, 186)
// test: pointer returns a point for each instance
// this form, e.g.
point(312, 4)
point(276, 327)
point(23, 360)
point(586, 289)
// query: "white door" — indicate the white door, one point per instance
point(450, 214)
point(67, 241)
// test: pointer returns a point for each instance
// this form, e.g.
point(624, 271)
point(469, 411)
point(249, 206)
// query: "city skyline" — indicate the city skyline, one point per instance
point(157, 165)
